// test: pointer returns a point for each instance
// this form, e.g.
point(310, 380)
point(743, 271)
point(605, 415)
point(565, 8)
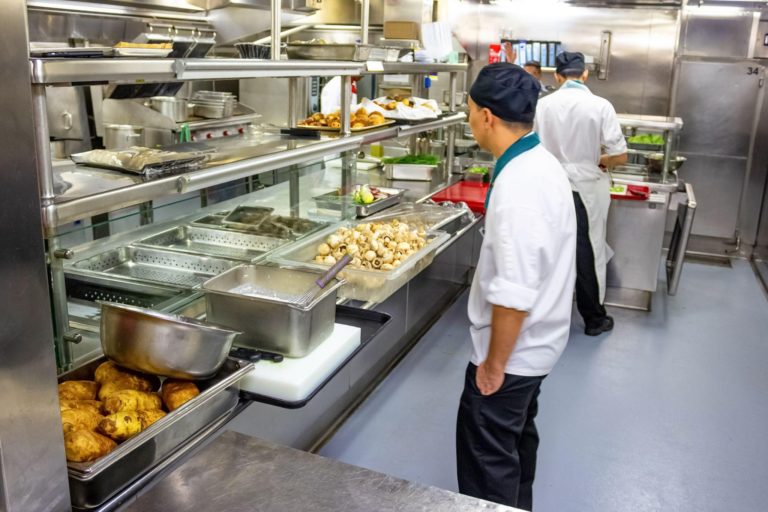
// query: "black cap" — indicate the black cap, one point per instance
point(569, 63)
point(508, 91)
point(533, 64)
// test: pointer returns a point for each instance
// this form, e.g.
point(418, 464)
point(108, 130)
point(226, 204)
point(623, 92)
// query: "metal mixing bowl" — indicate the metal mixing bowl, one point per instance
point(655, 162)
point(162, 344)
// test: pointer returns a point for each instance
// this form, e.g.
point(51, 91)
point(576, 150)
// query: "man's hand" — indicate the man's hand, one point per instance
point(510, 53)
point(488, 380)
point(608, 162)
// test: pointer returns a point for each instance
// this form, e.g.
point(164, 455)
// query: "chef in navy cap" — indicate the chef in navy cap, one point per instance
point(583, 132)
point(520, 300)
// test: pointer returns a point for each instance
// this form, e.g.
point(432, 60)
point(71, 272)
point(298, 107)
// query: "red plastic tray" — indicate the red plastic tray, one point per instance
point(471, 192)
point(634, 193)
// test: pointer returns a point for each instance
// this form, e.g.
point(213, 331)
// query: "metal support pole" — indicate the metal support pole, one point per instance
point(276, 5)
point(294, 102)
point(346, 102)
point(450, 146)
point(42, 145)
point(452, 91)
point(64, 354)
point(348, 171)
point(365, 14)
point(294, 189)
point(667, 155)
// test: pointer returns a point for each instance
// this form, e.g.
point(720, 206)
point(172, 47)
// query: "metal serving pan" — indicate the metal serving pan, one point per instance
point(335, 201)
point(262, 302)
point(428, 215)
point(247, 218)
point(93, 483)
point(364, 285)
point(142, 264)
point(309, 51)
point(409, 172)
point(214, 242)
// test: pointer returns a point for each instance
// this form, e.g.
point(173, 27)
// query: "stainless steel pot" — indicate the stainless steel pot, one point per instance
point(123, 136)
point(170, 106)
point(162, 344)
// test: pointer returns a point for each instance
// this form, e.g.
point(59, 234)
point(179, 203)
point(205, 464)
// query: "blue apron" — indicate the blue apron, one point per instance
point(528, 141)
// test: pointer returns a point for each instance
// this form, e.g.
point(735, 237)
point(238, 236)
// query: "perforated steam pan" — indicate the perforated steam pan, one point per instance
point(219, 243)
point(143, 264)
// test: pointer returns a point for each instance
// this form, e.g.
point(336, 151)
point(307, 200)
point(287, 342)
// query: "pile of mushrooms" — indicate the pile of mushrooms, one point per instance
point(377, 246)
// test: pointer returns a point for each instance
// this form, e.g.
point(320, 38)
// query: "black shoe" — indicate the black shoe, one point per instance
point(605, 325)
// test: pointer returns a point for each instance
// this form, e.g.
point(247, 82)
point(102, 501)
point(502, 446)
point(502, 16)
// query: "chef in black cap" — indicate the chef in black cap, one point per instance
point(583, 132)
point(520, 300)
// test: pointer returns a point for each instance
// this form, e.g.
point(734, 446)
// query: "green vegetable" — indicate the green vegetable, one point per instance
point(478, 170)
point(647, 138)
point(412, 159)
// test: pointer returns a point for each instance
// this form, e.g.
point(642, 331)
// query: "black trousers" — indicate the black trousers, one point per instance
point(587, 288)
point(496, 440)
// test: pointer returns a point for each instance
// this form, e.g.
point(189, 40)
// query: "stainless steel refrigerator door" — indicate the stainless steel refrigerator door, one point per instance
point(718, 102)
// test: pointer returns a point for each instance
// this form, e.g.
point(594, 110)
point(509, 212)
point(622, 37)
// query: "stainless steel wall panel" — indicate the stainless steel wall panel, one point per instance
point(33, 469)
point(717, 101)
point(643, 44)
point(717, 181)
point(708, 36)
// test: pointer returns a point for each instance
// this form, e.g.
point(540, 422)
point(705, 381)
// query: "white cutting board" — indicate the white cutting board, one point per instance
point(293, 379)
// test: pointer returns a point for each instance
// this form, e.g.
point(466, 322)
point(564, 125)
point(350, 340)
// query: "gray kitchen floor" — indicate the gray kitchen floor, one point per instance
point(669, 412)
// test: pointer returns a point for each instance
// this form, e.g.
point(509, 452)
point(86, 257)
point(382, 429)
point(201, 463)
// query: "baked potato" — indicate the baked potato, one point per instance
point(147, 418)
point(108, 372)
point(94, 406)
point(176, 393)
point(132, 400)
point(121, 425)
point(126, 424)
point(78, 390)
point(86, 446)
point(74, 419)
point(134, 383)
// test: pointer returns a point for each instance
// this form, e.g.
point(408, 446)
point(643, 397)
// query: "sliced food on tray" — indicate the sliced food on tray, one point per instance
point(368, 194)
point(372, 245)
point(128, 404)
point(405, 108)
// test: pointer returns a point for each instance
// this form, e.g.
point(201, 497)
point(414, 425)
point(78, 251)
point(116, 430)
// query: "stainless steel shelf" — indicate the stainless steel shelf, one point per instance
point(433, 125)
point(674, 124)
point(96, 191)
point(91, 191)
point(416, 68)
point(85, 71)
point(215, 69)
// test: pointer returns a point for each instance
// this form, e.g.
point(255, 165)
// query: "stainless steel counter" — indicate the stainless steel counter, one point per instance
point(237, 472)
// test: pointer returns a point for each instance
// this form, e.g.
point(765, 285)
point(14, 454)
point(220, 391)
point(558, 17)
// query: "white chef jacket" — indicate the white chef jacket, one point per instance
point(330, 96)
point(573, 124)
point(527, 262)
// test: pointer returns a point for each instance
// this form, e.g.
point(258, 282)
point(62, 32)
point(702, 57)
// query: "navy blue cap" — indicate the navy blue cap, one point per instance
point(570, 63)
point(508, 91)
